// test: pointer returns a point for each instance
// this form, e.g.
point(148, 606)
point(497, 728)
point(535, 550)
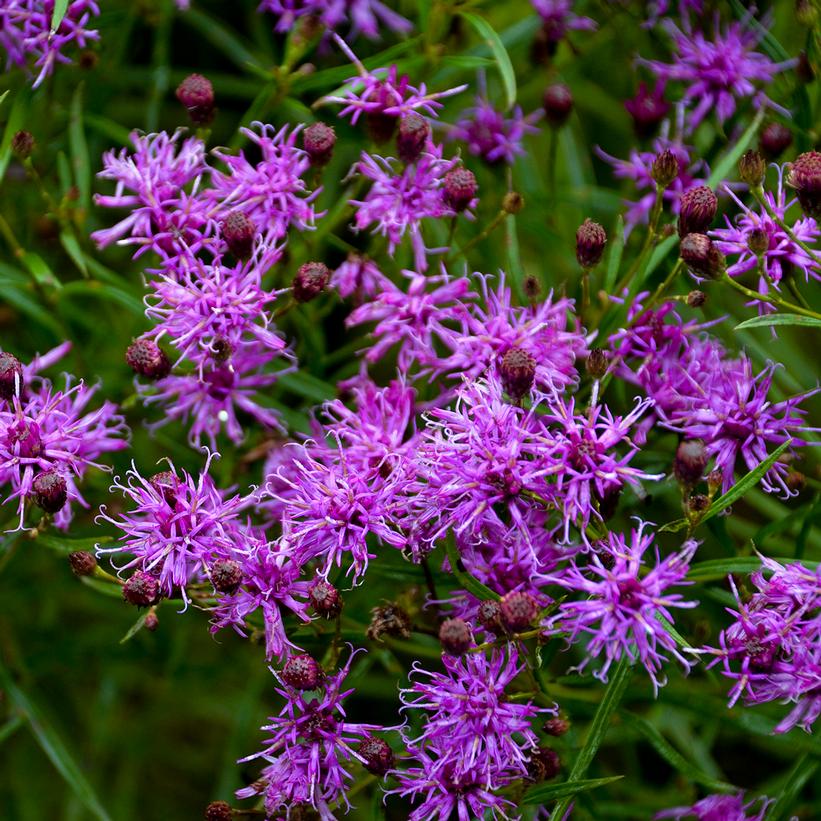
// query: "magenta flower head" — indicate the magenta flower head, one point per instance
point(177, 526)
point(558, 18)
point(310, 748)
point(721, 808)
point(363, 16)
point(718, 72)
point(648, 109)
point(25, 33)
point(624, 604)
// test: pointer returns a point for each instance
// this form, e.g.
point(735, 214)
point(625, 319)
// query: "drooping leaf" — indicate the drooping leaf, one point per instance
point(497, 48)
point(768, 320)
point(552, 792)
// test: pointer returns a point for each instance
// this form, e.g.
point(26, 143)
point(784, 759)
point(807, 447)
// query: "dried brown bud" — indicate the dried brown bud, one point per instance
point(389, 620)
point(596, 364)
point(82, 563)
point(696, 299)
point(513, 202)
point(146, 358)
point(22, 144)
point(414, 131)
point(556, 726)
point(758, 241)
point(141, 589)
point(455, 636)
point(531, 287)
point(218, 811)
point(544, 764)
point(804, 70)
point(239, 232)
point(590, 242)
point(490, 615)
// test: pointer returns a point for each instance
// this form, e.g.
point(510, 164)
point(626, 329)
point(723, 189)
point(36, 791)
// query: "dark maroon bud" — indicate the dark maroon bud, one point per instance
point(196, 93)
point(389, 620)
point(558, 104)
point(325, 599)
point(239, 232)
point(11, 375)
point(82, 562)
point(696, 299)
point(513, 202)
point(141, 589)
point(751, 168)
point(302, 672)
point(490, 615)
point(775, 139)
point(414, 131)
point(377, 754)
point(532, 287)
point(49, 491)
point(697, 209)
point(319, 140)
point(805, 178)
point(701, 255)
point(226, 575)
point(804, 70)
point(310, 281)
point(596, 364)
point(517, 611)
point(166, 484)
point(380, 126)
point(22, 144)
point(697, 503)
point(690, 461)
point(758, 241)
point(517, 370)
point(556, 726)
point(218, 811)
point(151, 622)
point(665, 168)
point(590, 241)
point(459, 188)
point(544, 764)
point(647, 109)
point(455, 636)
point(146, 358)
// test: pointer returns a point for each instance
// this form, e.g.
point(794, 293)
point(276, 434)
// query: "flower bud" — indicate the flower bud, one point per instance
point(751, 168)
point(11, 375)
point(226, 575)
point(775, 139)
point(459, 188)
point(804, 70)
point(596, 363)
point(310, 281)
point(556, 726)
point(82, 562)
point(544, 764)
point(49, 491)
point(141, 589)
point(697, 209)
point(690, 461)
point(697, 503)
point(701, 255)
point(590, 242)
point(517, 370)
point(377, 754)
point(319, 140)
point(558, 104)
point(758, 241)
point(455, 637)
point(513, 202)
point(22, 144)
point(239, 232)
point(389, 620)
point(166, 484)
point(146, 358)
point(696, 299)
point(414, 131)
point(196, 93)
point(531, 287)
point(302, 672)
point(490, 615)
point(806, 13)
point(380, 126)
point(517, 611)
point(805, 177)
point(647, 109)
point(324, 599)
point(665, 168)
point(715, 479)
point(151, 622)
point(218, 811)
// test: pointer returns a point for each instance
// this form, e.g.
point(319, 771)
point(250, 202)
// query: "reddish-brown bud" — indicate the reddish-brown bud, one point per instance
point(377, 754)
point(218, 811)
point(239, 232)
point(517, 370)
point(49, 491)
point(455, 636)
point(775, 139)
point(146, 358)
point(11, 375)
point(702, 256)
point(196, 93)
point(556, 726)
point(82, 563)
point(302, 672)
point(665, 168)
point(414, 131)
point(596, 363)
point(690, 461)
point(459, 188)
point(166, 483)
point(141, 589)
point(310, 281)
point(517, 611)
point(696, 299)
point(22, 144)
point(389, 620)
point(489, 615)
point(226, 575)
point(325, 599)
point(558, 104)
point(151, 622)
point(697, 210)
point(544, 764)
point(751, 168)
point(805, 178)
point(590, 242)
point(319, 140)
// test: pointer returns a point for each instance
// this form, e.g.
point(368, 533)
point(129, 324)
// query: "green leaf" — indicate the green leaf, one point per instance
point(53, 746)
point(726, 164)
point(102, 290)
point(614, 260)
point(60, 9)
point(307, 385)
point(223, 39)
point(79, 148)
point(734, 493)
point(11, 727)
point(619, 679)
point(672, 756)
point(778, 319)
point(552, 792)
point(135, 628)
point(39, 269)
point(715, 569)
point(499, 52)
point(60, 544)
point(467, 581)
point(17, 118)
point(799, 775)
point(72, 247)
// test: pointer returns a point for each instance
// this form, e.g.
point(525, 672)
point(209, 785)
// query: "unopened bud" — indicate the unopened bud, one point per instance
point(218, 811)
point(697, 210)
point(531, 287)
point(758, 241)
point(146, 358)
point(596, 363)
point(665, 168)
point(319, 140)
point(302, 672)
point(151, 622)
point(804, 70)
point(805, 177)
point(196, 93)
point(310, 281)
point(226, 575)
point(166, 483)
point(141, 589)
point(389, 620)
point(82, 563)
point(517, 611)
point(558, 104)
point(751, 168)
point(455, 636)
point(325, 599)
point(715, 481)
point(513, 202)
point(517, 370)
point(775, 139)
point(414, 131)
point(490, 615)
point(238, 232)
point(49, 491)
point(590, 242)
point(459, 188)
point(701, 255)
point(11, 375)
point(378, 755)
point(696, 299)
point(690, 461)
point(544, 764)
point(556, 726)
point(22, 144)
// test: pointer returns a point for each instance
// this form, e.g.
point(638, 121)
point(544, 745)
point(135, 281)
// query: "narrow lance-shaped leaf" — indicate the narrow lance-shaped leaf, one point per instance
point(499, 52)
point(552, 792)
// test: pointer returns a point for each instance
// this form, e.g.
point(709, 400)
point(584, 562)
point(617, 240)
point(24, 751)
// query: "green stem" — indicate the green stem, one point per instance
point(649, 241)
point(659, 292)
point(758, 193)
point(772, 300)
point(486, 232)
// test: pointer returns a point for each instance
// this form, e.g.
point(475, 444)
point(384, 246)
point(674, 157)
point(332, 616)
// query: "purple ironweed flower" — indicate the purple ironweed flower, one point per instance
point(310, 748)
point(384, 93)
point(414, 320)
point(772, 651)
point(47, 430)
point(163, 217)
point(625, 604)
point(208, 310)
point(639, 168)
point(558, 18)
point(360, 276)
point(364, 15)
point(272, 193)
point(270, 583)
point(177, 527)
point(584, 461)
point(647, 108)
point(721, 808)
point(25, 31)
point(398, 200)
point(491, 135)
point(211, 400)
point(720, 72)
point(781, 256)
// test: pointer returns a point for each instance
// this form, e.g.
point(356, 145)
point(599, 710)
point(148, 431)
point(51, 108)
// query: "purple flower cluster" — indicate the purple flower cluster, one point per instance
point(721, 808)
point(364, 16)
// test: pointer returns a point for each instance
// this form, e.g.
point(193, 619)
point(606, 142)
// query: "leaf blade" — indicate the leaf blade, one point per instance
point(499, 52)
